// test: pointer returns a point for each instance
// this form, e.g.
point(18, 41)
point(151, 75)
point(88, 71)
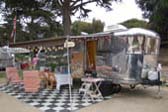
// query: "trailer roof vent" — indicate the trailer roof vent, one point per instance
point(115, 28)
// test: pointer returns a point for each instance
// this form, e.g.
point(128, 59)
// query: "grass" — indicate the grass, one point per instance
point(2, 74)
point(2, 77)
point(164, 43)
point(163, 56)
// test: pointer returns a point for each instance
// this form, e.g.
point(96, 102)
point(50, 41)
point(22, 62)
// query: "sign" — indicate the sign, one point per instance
point(69, 44)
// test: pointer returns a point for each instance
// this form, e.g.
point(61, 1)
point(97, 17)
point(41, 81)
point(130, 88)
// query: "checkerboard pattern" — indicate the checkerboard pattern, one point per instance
point(50, 100)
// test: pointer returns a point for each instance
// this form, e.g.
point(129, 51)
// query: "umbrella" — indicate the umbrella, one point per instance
point(15, 50)
point(19, 50)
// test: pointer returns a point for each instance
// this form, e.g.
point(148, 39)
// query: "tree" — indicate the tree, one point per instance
point(94, 27)
point(3, 36)
point(35, 18)
point(156, 12)
point(67, 8)
point(80, 26)
point(97, 26)
point(135, 23)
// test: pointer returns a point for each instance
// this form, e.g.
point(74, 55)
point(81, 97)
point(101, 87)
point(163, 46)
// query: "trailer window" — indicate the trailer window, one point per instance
point(135, 44)
point(151, 45)
point(112, 59)
point(104, 45)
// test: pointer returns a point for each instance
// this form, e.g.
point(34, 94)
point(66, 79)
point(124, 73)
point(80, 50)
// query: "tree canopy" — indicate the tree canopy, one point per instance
point(67, 8)
point(94, 27)
point(35, 19)
point(39, 18)
point(135, 23)
point(156, 12)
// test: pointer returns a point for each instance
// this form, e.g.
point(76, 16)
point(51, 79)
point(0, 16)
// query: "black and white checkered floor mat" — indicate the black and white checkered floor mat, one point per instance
point(50, 100)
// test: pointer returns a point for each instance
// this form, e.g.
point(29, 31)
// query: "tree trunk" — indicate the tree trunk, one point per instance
point(66, 18)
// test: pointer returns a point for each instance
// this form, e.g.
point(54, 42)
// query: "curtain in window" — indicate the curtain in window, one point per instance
point(148, 45)
point(130, 42)
point(140, 41)
point(157, 46)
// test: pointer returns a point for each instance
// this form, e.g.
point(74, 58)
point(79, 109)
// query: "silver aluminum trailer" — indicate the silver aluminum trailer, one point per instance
point(123, 57)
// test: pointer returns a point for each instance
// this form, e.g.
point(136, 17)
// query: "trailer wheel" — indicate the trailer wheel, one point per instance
point(132, 86)
point(116, 88)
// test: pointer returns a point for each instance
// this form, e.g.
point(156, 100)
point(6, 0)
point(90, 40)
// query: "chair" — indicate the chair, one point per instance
point(44, 79)
point(51, 80)
point(48, 79)
point(12, 75)
point(31, 81)
point(85, 89)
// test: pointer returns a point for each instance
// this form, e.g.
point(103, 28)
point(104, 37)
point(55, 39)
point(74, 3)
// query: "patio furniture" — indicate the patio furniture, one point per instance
point(12, 75)
point(43, 78)
point(87, 89)
point(51, 80)
point(63, 79)
point(48, 79)
point(31, 80)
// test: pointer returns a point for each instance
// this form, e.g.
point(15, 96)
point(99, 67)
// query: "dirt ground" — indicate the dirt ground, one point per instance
point(137, 100)
point(11, 104)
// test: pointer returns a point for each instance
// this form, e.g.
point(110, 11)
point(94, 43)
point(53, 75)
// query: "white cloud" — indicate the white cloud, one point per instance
point(127, 9)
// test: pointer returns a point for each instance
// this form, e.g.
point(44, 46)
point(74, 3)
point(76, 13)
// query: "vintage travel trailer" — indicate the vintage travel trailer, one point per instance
point(120, 55)
point(123, 57)
point(6, 58)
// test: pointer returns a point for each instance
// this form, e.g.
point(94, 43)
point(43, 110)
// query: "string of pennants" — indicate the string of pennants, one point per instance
point(61, 47)
point(92, 38)
point(46, 49)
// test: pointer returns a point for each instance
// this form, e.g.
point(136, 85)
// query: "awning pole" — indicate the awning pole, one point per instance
point(70, 95)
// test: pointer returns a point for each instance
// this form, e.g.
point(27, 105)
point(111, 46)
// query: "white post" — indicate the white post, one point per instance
point(70, 82)
point(159, 68)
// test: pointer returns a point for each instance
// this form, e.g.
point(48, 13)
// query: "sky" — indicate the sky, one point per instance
point(122, 11)
point(1, 21)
